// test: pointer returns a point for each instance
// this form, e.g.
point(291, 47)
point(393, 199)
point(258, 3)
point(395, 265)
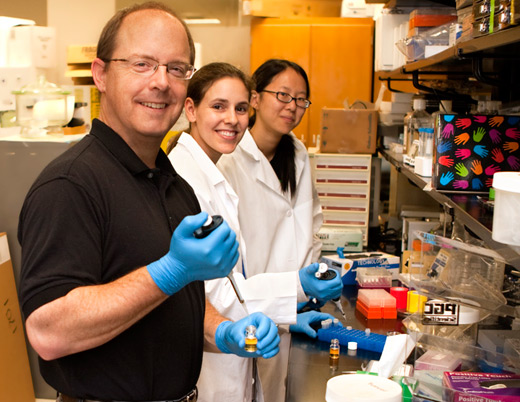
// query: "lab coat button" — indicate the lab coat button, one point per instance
point(289, 213)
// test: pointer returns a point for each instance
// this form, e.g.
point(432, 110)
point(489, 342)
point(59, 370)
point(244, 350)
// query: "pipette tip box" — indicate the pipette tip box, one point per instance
point(364, 340)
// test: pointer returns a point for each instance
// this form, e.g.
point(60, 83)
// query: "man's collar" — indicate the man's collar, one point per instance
point(123, 153)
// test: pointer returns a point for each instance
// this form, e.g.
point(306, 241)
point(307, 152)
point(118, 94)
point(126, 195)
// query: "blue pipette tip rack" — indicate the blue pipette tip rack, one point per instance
point(370, 341)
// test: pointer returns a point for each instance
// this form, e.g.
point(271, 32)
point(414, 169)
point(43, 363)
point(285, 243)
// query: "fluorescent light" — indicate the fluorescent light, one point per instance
point(202, 21)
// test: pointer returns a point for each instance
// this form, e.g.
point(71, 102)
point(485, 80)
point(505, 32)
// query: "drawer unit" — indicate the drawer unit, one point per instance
point(344, 204)
point(340, 176)
point(356, 191)
point(345, 218)
point(343, 185)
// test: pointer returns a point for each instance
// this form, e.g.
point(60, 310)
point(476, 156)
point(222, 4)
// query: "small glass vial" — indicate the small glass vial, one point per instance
point(250, 339)
point(334, 353)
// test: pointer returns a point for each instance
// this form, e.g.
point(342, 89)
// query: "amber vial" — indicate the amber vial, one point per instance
point(334, 353)
point(250, 339)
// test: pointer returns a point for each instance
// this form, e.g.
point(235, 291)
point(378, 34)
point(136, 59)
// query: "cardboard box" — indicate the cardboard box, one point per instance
point(15, 375)
point(350, 131)
point(481, 387)
point(348, 265)
point(78, 54)
point(292, 8)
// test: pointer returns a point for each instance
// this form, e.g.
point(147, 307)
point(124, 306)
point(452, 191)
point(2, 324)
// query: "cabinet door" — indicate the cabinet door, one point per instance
point(336, 53)
point(341, 66)
point(282, 39)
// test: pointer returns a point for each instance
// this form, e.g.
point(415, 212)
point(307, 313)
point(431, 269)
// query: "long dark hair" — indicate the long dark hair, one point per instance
point(283, 160)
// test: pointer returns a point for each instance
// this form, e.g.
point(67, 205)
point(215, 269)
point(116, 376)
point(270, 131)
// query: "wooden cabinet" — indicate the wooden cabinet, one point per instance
point(336, 53)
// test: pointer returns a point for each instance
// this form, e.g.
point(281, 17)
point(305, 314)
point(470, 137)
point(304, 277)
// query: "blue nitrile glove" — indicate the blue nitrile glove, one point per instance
point(230, 336)
point(304, 321)
point(191, 259)
point(320, 289)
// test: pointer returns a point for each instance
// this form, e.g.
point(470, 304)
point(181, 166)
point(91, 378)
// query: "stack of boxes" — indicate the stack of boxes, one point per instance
point(343, 185)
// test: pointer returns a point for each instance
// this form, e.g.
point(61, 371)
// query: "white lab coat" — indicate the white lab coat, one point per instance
point(228, 377)
point(279, 230)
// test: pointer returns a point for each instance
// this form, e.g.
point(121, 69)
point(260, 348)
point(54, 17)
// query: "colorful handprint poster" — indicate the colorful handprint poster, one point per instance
point(470, 149)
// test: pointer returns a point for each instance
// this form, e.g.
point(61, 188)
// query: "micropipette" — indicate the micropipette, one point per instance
point(324, 273)
point(209, 226)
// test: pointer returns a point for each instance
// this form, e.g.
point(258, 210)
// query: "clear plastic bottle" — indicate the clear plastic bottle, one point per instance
point(419, 118)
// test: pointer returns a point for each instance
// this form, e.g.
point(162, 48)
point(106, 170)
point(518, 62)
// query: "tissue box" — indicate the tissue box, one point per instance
point(470, 149)
point(348, 265)
point(349, 131)
point(478, 387)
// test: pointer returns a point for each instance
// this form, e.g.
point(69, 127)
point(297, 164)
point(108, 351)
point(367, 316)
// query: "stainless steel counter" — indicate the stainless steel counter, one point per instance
point(309, 368)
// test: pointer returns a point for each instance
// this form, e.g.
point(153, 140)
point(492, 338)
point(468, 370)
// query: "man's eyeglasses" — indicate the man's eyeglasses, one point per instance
point(147, 67)
point(286, 98)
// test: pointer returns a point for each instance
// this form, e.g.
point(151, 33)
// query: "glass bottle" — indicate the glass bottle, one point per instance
point(419, 118)
point(251, 340)
point(334, 353)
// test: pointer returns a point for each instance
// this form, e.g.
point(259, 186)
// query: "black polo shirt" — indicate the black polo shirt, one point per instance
point(94, 214)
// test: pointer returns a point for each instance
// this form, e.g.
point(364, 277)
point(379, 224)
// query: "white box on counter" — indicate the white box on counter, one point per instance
point(348, 265)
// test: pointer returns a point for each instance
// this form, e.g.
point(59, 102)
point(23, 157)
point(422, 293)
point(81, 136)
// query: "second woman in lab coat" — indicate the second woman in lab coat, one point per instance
point(217, 107)
point(279, 210)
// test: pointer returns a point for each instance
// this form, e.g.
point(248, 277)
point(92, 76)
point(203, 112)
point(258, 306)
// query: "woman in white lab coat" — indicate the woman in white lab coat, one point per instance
point(217, 107)
point(279, 211)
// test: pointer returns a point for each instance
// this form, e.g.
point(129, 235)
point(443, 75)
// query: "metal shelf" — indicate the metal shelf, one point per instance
point(467, 208)
point(454, 54)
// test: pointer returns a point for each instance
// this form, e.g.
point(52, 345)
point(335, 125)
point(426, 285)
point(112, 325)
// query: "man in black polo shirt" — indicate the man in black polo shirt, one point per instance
point(114, 303)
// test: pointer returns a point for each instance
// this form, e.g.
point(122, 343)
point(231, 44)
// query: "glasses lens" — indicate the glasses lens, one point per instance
point(284, 97)
point(181, 70)
point(143, 67)
point(301, 102)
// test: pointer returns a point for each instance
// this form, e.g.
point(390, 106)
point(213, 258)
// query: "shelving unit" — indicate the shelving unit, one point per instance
point(463, 60)
point(467, 208)
point(471, 59)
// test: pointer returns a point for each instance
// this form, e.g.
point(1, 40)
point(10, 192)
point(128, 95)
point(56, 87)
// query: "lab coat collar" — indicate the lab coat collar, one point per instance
point(262, 166)
point(203, 160)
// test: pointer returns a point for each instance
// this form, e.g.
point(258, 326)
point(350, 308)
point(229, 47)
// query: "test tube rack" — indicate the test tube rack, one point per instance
point(365, 339)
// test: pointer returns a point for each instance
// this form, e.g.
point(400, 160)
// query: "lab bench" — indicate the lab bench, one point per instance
point(309, 368)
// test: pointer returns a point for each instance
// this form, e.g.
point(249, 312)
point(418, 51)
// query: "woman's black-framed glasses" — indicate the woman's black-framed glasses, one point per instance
point(286, 98)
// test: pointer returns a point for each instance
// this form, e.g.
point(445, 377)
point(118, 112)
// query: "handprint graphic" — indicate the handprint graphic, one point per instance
point(510, 146)
point(447, 132)
point(513, 133)
point(491, 170)
point(460, 184)
point(514, 162)
point(481, 150)
point(489, 182)
point(478, 134)
point(444, 146)
point(461, 139)
point(496, 121)
point(480, 119)
point(476, 167)
point(495, 136)
point(497, 155)
point(463, 153)
point(476, 184)
point(463, 123)
point(462, 171)
point(446, 178)
point(446, 161)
